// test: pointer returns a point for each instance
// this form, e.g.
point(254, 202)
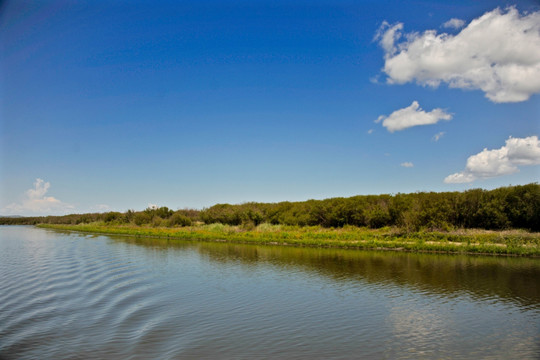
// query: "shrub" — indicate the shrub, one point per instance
point(178, 219)
point(141, 218)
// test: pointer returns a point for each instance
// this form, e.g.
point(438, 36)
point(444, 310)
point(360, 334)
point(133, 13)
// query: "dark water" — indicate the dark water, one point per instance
point(72, 296)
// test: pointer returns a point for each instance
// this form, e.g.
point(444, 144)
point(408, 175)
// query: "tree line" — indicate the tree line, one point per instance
point(502, 208)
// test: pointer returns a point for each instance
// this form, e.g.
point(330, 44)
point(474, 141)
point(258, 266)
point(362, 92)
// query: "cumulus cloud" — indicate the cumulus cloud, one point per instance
point(407, 164)
point(410, 116)
point(498, 53)
point(437, 136)
point(35, 202)
point(454, 24)
point(491, 163)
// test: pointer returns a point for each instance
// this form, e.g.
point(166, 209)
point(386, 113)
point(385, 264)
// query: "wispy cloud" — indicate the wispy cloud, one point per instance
point(387, 35)
point(454, 24)
point(100, 208)
point(407, 164)
point(370, 131)
point(437, 136)
point(498, 53)
point(374, 79)
point(35, 202)
point(503, 161)
point(410, 116)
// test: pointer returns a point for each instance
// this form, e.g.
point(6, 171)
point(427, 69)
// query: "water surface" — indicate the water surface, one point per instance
point(74, 296)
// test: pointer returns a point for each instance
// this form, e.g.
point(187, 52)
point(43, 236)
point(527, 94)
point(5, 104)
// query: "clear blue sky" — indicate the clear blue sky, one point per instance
point(121, 104)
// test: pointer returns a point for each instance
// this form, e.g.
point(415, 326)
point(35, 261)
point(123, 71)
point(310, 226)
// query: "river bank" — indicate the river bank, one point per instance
point(463, 241)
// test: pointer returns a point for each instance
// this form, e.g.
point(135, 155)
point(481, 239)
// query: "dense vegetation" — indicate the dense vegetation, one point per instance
point(513, 207)
point(472, 241)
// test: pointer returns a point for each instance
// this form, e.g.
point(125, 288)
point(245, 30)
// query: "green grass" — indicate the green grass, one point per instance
point(514, 242)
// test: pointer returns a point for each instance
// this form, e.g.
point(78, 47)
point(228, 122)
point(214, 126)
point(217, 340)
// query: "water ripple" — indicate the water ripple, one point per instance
point(67, 296)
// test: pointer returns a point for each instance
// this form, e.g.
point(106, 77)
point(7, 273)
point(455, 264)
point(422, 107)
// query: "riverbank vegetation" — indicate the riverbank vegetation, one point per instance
point(510, 242)
point(503, 220)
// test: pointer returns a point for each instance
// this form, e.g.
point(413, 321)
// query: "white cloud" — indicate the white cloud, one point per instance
point(152, 206)
point(498, 162)
point(498, 53)
point(437, 136)
point(370, 131)
point(454, 24)
point(407, 164)
point(387, 36)
point(100, 208)
point(35, 202)
point(411, 116)
point(374, 79)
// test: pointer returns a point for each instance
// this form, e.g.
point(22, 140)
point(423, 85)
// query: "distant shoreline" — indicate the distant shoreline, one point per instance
point(473, 242)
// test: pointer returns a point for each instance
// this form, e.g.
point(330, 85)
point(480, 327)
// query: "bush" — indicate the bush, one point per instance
point(178, 219)
point(141, 218)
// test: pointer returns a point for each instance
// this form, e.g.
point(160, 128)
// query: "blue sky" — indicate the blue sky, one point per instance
point(116, 105)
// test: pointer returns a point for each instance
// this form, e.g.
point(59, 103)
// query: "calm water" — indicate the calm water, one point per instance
point(72, 296)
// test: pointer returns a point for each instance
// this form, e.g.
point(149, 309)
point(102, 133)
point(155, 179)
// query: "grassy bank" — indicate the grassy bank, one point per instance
point(513, 242)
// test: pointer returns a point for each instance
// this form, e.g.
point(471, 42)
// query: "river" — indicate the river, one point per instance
point(77, 296)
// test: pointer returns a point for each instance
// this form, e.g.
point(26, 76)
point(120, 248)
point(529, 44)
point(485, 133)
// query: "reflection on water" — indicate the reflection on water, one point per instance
point(67, 295)
point(485, 277)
